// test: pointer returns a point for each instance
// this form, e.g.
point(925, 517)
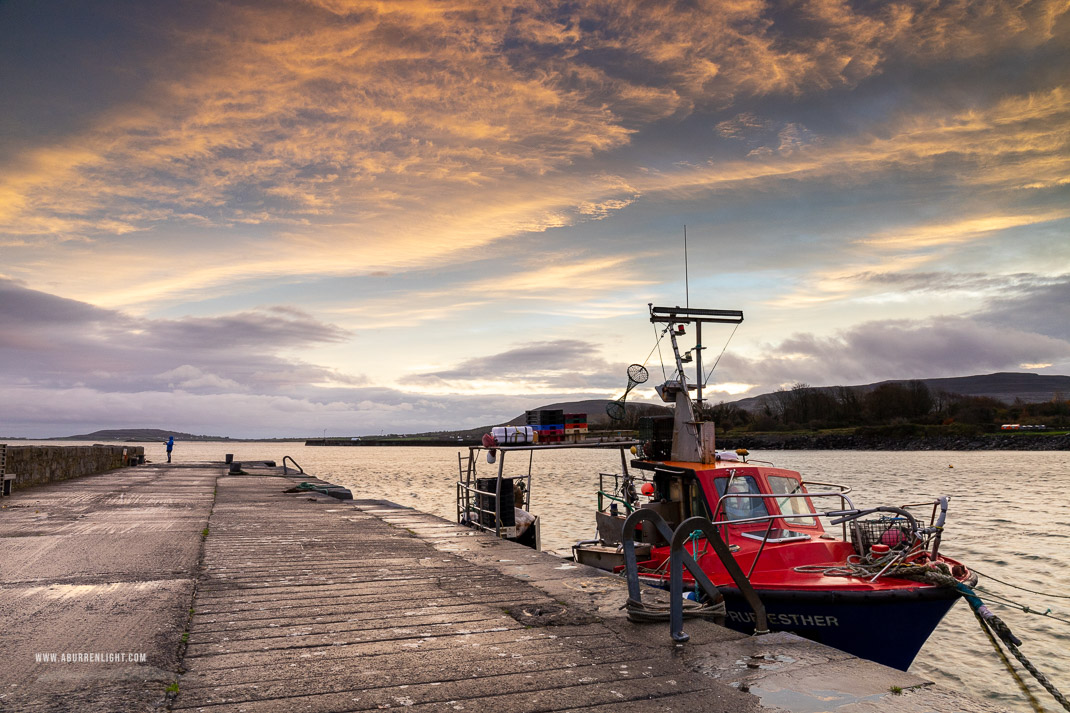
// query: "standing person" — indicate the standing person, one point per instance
point(170, 445)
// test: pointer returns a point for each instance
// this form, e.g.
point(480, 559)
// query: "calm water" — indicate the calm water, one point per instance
point(1009, 517)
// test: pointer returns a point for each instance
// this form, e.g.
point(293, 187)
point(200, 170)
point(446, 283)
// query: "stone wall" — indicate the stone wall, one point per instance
point(36, 465)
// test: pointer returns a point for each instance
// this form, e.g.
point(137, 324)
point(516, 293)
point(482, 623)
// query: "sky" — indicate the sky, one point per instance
point(288, 218)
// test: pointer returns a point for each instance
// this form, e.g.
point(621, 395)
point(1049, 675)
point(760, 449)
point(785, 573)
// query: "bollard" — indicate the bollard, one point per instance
point(235, 468)
point(229, 458)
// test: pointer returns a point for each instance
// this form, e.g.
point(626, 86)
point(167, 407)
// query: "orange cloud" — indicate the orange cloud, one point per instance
point(336, 135)
point(958, 231)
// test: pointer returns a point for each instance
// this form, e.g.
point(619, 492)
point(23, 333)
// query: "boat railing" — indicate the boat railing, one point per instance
point(933, 504)
point(841, 494)
point(918, 540)
point(622, 491)
point(842, 488)
point(468, 494)
point(470, 512)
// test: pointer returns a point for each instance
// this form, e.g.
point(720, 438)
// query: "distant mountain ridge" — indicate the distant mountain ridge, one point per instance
point(138, 434)
point(1005, 386)
point(595, 410)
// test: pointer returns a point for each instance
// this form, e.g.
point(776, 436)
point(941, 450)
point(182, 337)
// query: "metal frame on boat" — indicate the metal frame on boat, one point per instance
point(483, 509)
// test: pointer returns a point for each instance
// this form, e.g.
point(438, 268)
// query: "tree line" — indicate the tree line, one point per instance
point(909, 406)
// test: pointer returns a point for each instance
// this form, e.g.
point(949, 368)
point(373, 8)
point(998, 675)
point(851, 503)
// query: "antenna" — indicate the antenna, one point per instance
point(687, 287)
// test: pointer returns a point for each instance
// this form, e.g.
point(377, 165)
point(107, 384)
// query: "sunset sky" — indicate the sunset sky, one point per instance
point(270, 218)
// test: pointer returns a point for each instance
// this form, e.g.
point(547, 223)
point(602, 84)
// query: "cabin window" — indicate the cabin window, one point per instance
point(735, 507)
point(698, 500)
point(780, 485)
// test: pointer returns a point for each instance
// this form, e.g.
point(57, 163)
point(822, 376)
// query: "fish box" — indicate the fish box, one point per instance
point(507, 435)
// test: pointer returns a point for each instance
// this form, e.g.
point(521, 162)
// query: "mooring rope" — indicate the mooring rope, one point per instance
point(992, 621)
point(1024, 589)
point(1025, 608)
point(1009, 666)
point(939, 574)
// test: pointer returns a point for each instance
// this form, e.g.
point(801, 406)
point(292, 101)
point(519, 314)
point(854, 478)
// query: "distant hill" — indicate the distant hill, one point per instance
point(138, 434)
point(595, 410)
point(1005, 386)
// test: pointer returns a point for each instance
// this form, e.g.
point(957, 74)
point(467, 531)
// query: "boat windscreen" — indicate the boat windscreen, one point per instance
point(736, 507)
point(780, 485)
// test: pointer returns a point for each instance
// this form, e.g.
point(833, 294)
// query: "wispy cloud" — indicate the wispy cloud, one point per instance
point(552, 284)
point(554, 367)
point(55, 342)
point(464, 163)
point(1018, 143)
point(896, 349)
point(394, 136)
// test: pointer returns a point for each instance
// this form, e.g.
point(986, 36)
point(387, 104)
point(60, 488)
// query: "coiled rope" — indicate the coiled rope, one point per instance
point(656, 611)
point(642, 612)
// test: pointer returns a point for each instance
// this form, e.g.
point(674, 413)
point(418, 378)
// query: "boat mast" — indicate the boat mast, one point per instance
point(691, 441)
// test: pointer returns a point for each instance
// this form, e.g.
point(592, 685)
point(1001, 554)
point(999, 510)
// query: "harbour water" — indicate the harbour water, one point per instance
point(1009, 518)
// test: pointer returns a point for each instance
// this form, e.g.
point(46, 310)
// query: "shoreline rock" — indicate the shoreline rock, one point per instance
point(853, 442)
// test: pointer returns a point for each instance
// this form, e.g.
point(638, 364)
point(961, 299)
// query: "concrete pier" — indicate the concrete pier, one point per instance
point(99, 566)
point(299, 601)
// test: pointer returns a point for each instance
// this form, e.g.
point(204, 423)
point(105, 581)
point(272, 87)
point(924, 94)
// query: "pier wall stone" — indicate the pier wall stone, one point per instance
point(37, 465)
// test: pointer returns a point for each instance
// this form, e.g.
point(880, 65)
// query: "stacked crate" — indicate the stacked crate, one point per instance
point(549, 424)
point(575, 427)
point(655, 432)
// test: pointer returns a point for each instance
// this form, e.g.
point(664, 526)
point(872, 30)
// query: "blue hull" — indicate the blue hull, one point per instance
point(888, 627)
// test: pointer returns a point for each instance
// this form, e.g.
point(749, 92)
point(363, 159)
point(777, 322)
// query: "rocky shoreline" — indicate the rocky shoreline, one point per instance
point(853, 442)
point(803, 442)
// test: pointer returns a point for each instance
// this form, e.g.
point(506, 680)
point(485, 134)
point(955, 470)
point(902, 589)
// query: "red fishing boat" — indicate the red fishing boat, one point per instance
point(873, 582)
point(756, 546)
point(848, 588)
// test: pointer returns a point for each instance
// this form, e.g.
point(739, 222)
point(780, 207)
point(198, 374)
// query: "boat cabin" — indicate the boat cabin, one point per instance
point(752, 504)
point(743, 496)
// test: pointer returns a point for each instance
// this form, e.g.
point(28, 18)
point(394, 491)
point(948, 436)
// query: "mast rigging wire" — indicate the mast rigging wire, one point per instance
point(1024, 589)
point(657, 345)
point(718, 361)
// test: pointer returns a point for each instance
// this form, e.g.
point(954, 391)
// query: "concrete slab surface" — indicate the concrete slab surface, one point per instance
point(99, 573)
point(321, 607)
point(302, 602)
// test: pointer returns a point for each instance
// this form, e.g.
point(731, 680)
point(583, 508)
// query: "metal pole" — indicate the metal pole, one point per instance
point(498, 496)
point(687, 286)
point(698, 360)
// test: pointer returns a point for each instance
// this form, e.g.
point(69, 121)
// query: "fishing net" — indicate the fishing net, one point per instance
point(637, 374)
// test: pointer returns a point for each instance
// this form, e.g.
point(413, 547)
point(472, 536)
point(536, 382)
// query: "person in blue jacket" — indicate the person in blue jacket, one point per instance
point(170, 445)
